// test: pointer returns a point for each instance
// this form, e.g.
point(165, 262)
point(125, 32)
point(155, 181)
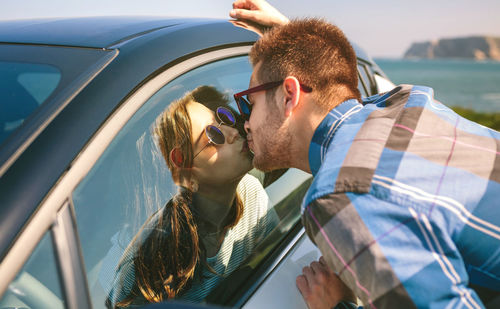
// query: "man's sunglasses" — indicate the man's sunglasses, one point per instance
point(245, 107)
point(213, 133)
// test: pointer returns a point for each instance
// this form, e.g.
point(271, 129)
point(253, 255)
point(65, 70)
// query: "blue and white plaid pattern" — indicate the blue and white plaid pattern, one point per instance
point(405, 201)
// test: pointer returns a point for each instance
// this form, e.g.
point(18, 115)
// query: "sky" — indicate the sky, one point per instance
point(384, 28)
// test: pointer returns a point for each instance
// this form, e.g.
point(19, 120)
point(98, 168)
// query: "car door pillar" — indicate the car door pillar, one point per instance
point(72, 269)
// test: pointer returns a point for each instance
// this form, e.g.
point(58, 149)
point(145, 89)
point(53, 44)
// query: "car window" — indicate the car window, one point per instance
point(37, 285)
point(240, 285)
point(28, 83)
point(35, 78)
point(123, 204)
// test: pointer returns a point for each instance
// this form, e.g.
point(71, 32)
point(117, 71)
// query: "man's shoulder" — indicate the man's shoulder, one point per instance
point(349, 162)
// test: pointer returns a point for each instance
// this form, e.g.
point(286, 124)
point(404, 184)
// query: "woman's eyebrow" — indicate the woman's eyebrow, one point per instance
point(199, 137)
point(214, 122)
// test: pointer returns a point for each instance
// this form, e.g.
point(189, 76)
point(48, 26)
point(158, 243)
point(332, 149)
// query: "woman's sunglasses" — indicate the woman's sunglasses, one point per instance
point(213, 133)
point(245, 107)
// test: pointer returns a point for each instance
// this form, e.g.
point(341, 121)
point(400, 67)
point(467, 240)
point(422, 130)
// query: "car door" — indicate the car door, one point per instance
point(86, 223)
point(113, 186)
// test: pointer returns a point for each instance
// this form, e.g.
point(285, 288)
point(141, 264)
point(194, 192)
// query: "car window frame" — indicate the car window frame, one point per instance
point(56, 201)
point(369, 85)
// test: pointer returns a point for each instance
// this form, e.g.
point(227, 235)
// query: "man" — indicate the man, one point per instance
point(404, 205)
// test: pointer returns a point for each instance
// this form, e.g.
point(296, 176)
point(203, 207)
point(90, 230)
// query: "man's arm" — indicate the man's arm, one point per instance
point(390, 255)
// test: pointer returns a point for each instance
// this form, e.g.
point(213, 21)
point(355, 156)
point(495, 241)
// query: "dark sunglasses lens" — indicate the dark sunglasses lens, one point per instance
point(244, 108)
point(225, 116)
point(215, 135)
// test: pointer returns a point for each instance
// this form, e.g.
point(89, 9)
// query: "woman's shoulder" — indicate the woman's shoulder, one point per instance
point(250, 185)
point(255, 200)
point(252, 193)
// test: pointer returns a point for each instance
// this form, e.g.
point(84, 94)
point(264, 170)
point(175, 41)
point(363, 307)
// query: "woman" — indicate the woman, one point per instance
point(214, 222)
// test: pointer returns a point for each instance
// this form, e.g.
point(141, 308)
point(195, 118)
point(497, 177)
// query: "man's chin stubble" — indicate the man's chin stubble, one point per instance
point(265, 164)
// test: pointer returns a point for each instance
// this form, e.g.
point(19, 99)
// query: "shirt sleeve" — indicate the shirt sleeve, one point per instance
point(391, 256)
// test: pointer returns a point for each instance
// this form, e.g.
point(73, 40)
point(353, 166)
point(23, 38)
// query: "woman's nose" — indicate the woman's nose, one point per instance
point(230, 133)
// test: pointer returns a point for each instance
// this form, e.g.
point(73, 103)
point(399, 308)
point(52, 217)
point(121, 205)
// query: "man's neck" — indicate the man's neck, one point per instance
point(307, 119)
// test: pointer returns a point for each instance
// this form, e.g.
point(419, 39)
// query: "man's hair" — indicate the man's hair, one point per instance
point(314, 51)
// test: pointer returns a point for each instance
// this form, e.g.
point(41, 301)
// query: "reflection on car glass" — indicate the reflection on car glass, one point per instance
point(130, 181)
point(25, 86)
point(37, 285)
point(213, 222)
point(252, 268)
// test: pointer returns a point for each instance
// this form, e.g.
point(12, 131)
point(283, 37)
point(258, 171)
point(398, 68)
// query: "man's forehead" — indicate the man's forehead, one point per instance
point(254, 78)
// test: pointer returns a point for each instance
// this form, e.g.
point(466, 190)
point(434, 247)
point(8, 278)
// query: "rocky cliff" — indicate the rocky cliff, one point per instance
point(477, 47)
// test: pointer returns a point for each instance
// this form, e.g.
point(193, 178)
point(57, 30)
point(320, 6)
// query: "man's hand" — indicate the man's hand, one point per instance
point(257, 11)
point(321, 287)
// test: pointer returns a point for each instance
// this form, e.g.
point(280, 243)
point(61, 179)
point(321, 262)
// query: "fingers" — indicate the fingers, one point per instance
point(258, 11)
point(322, 261)
point(321, 287)
point(302, 285)
point(322, 273)
point(317, 267)
point(318, 273)
point(312, 285)
point(244, 14)
point(243, 4)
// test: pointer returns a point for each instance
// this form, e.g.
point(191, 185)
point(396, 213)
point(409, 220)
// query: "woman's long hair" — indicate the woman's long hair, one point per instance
point(167, 252)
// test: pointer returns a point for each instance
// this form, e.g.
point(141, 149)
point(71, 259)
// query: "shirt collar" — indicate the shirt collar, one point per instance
point(326, 129)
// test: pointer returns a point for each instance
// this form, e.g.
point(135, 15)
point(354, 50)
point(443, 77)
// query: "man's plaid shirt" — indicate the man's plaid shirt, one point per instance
point(405, 201)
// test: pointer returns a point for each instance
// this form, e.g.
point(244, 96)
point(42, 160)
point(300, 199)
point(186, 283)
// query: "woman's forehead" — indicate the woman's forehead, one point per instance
point(201, 116)
point(199, 111)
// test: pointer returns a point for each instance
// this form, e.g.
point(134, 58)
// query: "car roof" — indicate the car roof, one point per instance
point(97, 32)
point(93, 32)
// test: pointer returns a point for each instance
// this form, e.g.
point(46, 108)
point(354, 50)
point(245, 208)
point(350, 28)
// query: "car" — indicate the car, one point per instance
point(79, 169)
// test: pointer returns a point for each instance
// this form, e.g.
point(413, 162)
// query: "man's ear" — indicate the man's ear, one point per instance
point(291, 90)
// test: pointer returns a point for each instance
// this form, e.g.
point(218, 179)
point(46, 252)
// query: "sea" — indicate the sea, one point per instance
point(466, 83)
